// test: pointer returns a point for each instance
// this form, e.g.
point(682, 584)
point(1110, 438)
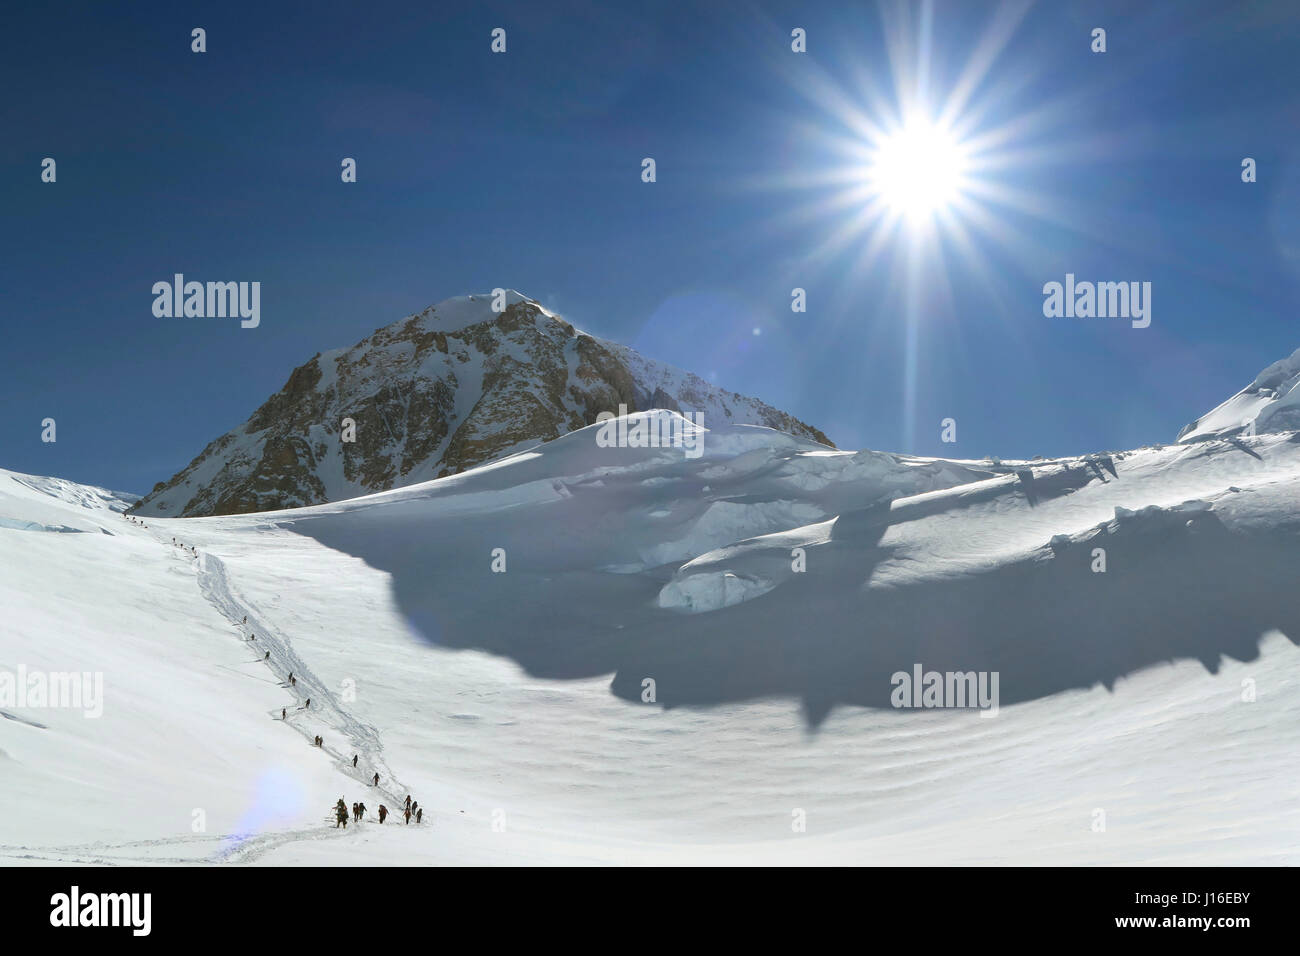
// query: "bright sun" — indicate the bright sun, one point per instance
point(919, 170)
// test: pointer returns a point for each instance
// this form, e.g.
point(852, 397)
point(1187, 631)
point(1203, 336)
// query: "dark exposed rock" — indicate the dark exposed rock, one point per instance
point(431, 395)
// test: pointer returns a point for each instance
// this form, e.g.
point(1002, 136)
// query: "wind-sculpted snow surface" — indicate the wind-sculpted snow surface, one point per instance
point(1271, 403)
point(902, 561)
point(634, 655)
point(44, 504)
point(589, 533)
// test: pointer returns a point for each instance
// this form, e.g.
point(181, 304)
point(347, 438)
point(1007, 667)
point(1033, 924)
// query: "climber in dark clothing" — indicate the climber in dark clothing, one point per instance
point(376, 780)
point(354, 760)
point(419, 814)
point(383, 813)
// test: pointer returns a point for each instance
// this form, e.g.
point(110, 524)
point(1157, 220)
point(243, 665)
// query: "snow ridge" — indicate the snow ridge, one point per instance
point(1271, 403)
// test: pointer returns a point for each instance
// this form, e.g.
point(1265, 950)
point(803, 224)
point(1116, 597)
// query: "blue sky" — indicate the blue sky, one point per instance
point(523, 170)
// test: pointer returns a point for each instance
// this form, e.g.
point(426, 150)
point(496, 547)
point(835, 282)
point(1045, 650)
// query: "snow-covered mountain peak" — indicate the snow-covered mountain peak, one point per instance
point(454, 386)
point(1271, 403)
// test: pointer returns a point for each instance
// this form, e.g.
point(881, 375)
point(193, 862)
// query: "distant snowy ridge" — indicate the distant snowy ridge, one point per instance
point(432, 395)
point(1271, 403)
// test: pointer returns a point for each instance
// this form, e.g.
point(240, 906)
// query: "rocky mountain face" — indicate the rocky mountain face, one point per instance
point(434, 394)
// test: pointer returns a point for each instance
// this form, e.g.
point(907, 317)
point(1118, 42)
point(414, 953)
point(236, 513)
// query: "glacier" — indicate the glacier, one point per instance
point(587, 654)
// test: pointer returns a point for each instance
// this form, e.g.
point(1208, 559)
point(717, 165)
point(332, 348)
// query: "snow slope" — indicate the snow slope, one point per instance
point(511, 703)
point(1270, 403)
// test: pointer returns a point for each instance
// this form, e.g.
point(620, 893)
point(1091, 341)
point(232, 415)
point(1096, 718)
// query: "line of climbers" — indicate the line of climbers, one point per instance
point(412, 809)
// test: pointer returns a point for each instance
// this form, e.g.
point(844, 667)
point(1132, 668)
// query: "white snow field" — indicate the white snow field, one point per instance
point(1148, 714)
